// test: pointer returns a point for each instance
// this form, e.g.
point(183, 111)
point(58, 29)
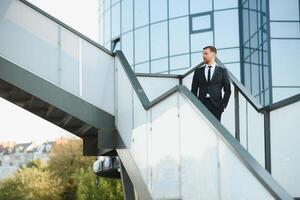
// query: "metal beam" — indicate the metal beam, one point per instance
point(90, 145)
point(237, 113)
point(50, 109)
point(127, 184)
point(30, 102)
point(83, 129)
point(64, 122)
point(134, 174)
point(267, 138)
point(110, 139)
point(46, 91)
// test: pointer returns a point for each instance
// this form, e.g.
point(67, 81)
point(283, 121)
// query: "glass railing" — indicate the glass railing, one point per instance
point(285, 140)
point(267, 133)
point(242, 117)
point(181, 150)
point(50, 49)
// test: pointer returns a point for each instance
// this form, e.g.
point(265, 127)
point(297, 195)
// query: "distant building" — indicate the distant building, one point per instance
point(13, 156)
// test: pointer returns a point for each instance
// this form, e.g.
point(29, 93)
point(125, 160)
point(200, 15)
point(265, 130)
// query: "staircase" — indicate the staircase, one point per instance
point(170, 146)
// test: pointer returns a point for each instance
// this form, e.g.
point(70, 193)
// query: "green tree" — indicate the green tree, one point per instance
point(109, 189)
point(66, 158)
point(75, 171)
point(31, 184)
point(38, 163)
point(68, 176)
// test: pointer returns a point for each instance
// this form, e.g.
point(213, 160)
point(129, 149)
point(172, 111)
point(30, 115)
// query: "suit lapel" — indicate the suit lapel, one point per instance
point(203, 74)
point(216, 71)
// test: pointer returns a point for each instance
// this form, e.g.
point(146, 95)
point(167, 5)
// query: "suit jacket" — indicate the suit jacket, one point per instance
point(219, 80)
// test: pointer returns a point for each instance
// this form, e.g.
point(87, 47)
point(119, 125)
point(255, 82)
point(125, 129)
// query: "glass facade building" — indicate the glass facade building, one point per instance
point(255, 46)
point(285, 48)
point(255, 38)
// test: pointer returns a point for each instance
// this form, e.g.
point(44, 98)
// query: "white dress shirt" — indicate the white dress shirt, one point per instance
point(212, 69)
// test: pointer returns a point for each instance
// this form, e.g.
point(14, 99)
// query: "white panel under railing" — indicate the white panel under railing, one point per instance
point(47, 49)
point(155, 86)
point(165, 149)
point(178, 151)
point(210, 169)
point(251, 122)
point(285, 140)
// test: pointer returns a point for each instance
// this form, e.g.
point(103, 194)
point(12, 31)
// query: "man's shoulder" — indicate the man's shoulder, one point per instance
point(223, 69)
point(199, 68)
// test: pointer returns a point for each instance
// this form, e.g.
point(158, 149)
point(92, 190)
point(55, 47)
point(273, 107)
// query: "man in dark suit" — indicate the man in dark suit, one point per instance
point(208, 82)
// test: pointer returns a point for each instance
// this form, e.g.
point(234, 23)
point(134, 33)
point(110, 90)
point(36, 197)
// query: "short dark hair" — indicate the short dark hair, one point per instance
point(212, 48)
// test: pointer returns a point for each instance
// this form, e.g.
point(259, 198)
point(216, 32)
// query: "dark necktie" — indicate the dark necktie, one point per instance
point(208, 76)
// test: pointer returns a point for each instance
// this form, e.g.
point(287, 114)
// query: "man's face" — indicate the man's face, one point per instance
point(208, 55)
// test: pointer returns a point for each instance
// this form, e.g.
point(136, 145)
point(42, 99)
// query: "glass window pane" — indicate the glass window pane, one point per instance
point(254, 57)
point(106, 4)
point(196, 58)
point(245, 25)
point(158, 10)
point(234, 68)
point(179, 62)
point(179, 36)
point(266, 77)
point(201, 22)
point(141, 45)
point(266, 94)
point(179, 71)
point(253, 22)
point(107, 25)
point(265, 34)
point(200, 40)
point(127, 46)
point(246, 53)
point(221, 4)
point(127, 15)
point(285, 29)
point(101, 28)
point(227, 36)
point(283, 93)
point(142, 68)
point(141, 12)
point(287, 10)
point(255, 79)
point(197, 7)
point(254, 41)
point(285, 59)
point(253, 5)
point(229, 55)
point(114, 1)
point(115, 20)
point(247, 75)
point(178, 8)
point(159, 66)
point(159, 40)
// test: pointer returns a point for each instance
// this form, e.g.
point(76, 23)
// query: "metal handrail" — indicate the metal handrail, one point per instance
point(254, 167)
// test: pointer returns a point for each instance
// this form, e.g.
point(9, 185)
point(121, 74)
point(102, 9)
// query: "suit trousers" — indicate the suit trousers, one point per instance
point(217, 112)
